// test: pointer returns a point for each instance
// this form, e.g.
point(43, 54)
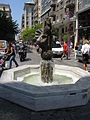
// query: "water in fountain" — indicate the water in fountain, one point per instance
point(35, 79)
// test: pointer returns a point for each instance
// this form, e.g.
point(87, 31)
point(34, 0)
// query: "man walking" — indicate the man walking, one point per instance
point(65, 51)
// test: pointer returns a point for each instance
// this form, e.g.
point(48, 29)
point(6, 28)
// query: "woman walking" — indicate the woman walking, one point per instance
point(11, 54)
point(85, 52)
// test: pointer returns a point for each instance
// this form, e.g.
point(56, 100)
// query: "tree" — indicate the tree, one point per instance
point(29, 33)
point(65, 37)
point(8, 27)
point(37, 26)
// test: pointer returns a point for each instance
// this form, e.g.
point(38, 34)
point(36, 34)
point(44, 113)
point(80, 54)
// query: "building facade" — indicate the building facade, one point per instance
point(6, 8)
point(22, 23)
point(84, 19)
point(45, 9)
point(65, 19)
point(37, 11)
point(28, 14)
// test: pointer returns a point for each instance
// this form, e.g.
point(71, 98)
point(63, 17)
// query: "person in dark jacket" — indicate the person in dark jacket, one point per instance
point(11, 55)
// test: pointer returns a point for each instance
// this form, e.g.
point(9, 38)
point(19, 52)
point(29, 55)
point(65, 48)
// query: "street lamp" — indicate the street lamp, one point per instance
point(73, 18)
point(68, 15)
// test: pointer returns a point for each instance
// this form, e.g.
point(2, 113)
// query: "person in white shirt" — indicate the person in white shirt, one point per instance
point(85, 52)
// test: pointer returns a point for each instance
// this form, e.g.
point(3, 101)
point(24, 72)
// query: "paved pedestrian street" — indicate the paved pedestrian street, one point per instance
point(11, 111)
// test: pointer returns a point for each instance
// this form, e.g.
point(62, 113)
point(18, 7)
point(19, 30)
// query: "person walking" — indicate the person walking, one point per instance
point(65, 51)
point(11, 55)
point(85, 53)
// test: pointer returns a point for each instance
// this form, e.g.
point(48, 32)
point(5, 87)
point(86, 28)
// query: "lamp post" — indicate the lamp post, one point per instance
point(76, 31)
point(68, 15)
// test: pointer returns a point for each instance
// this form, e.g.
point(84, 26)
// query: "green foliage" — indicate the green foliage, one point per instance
point(65, 37)
point(37, 26)
point(8, 27)
point(29, 33)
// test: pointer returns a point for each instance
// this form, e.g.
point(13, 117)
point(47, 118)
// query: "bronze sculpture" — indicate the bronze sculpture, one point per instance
point(46, 40)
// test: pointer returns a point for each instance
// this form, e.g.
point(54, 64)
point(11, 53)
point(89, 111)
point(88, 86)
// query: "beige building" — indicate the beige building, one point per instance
point(6, 8)
point(37, 11)
point(65, 18)
point(22, 23)
point(28, 14)
point(45, 9)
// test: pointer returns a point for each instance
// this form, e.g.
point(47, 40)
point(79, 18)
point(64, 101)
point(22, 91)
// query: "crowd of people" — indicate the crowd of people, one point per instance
point(85, 53)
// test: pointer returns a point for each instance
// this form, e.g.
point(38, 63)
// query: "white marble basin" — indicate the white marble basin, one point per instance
point(45, 97)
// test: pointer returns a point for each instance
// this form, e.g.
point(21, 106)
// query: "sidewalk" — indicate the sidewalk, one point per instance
point(72, 62)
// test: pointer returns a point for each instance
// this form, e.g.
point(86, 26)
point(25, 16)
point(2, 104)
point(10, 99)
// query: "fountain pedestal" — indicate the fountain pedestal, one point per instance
point(47, 71)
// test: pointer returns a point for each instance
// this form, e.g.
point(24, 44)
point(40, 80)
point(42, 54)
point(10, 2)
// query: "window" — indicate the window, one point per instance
point(61, 16)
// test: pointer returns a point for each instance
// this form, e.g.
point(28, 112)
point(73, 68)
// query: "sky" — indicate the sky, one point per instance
point(16, 8)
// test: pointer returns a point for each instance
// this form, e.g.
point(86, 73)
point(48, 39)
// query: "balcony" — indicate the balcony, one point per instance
point(52, 14)
point(53, 3)
point(70, 3)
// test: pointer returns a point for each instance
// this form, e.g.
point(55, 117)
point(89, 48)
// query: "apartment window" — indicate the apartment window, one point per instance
point(62, 3)
point(61, 16)
point(57, 5)
point(66, 29)
point(27, 22)
point(63, 30)
point(54, 18)
point(4, 8)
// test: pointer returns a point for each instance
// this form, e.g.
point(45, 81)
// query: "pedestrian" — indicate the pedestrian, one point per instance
point(11, 55)
point(65, 51)
point(85, 53)
point(37, 47)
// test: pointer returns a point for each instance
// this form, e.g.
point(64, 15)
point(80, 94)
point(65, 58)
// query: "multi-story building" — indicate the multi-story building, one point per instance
point(28, 14)
point(37, 11)
point(65, 13)
point(45, 11)
point(22, 24)
point(59, 18)
point(84, 19)
point(6, 8)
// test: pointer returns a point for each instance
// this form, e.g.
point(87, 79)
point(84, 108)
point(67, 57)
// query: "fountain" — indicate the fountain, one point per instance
point(46, 54)
point(46, 86)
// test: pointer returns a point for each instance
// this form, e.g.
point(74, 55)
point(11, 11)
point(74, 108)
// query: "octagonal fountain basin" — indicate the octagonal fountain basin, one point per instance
point(23, 86)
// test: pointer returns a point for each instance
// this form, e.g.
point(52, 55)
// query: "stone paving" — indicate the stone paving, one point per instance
point(10, 111)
